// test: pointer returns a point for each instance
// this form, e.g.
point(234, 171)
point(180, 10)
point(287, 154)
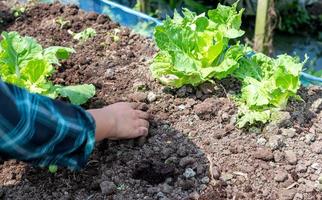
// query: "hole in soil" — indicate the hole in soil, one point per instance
point(153, 172)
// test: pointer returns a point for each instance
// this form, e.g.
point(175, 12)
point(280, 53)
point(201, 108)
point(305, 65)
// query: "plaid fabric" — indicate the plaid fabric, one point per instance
point(43, 131)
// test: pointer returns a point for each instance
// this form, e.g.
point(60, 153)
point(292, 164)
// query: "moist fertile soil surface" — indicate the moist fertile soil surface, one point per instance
point(193, 150)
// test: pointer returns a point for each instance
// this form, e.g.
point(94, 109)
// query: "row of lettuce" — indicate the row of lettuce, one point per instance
point(194, 49)
point(198, 48)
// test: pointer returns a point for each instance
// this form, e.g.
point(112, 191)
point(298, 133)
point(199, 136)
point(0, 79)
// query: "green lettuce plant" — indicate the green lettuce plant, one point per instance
point(197, 48)
point(194, 48)
point(267, 86)
point(25, 63)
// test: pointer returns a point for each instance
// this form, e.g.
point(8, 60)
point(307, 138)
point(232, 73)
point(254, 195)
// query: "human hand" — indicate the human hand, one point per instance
point(120, 121)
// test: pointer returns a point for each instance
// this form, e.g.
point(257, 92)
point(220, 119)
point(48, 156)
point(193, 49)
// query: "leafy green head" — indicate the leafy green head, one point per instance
point(25, 63)
point(194, 48)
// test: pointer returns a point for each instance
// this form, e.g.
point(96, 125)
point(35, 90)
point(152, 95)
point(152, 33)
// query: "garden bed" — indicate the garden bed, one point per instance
point(192, 128)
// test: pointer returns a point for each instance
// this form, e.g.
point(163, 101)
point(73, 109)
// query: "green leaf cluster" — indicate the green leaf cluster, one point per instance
point(195, 49)
point(267, 86)
point(25, 63)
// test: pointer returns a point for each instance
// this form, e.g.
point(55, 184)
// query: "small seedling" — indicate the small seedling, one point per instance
point(53, 169)
point(17, 11)
point(61, 22)
point(121, 187)
point(115, 35)
point(84, 35)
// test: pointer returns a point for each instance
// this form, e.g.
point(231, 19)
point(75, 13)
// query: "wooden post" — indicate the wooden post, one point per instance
point(145, 6)
point(261, 25)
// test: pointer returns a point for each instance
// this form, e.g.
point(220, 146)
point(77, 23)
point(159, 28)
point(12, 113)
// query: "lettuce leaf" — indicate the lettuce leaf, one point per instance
point(25, 63)
point(78, 94)
point(194, 48)
point(267, 86)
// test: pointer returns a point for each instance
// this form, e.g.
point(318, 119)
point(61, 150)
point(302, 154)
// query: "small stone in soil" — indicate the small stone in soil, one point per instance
point(319, 187)
point(316, 166)
point(138, 97)
point(160, 195)
point(151, 97)
point(298, 196)
point(108, 187)
point(165, 188)
point(189, 173)
point(194, 196)
point(226, 177)
point(109, 73)
point(215, 173)
point(317, 147)
point(261, 141)
point(301, 168)
point(276, 142)
point(291, 157)
point(182, 151)
point(264, 154)
point(152, 190)
point(270, 129)
point(205, 180)
point(181, 107)
point(316, 105)
point(187, 161)
point(309, 186)
point(102, 19)
point(186, 184)
point(206, 108)
point(309, 138)
point(285, 194)
point(280, 176)
point(182, 91)
point(282, 119)
point(290, 132)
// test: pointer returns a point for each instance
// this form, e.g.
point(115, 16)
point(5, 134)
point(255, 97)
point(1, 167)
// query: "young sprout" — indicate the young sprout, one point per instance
point(115, 35)
point(121, 187)
point(17, 11)
point(60, 21)
point(84, 35)
point(53, 169)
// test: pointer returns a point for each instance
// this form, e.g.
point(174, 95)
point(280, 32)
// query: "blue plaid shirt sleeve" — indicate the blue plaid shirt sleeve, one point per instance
point(42, 131)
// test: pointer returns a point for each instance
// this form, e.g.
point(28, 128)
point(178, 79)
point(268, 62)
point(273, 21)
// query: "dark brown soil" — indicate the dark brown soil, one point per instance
point(193, 151)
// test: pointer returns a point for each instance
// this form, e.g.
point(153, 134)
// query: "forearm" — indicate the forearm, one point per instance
point(42, 131)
